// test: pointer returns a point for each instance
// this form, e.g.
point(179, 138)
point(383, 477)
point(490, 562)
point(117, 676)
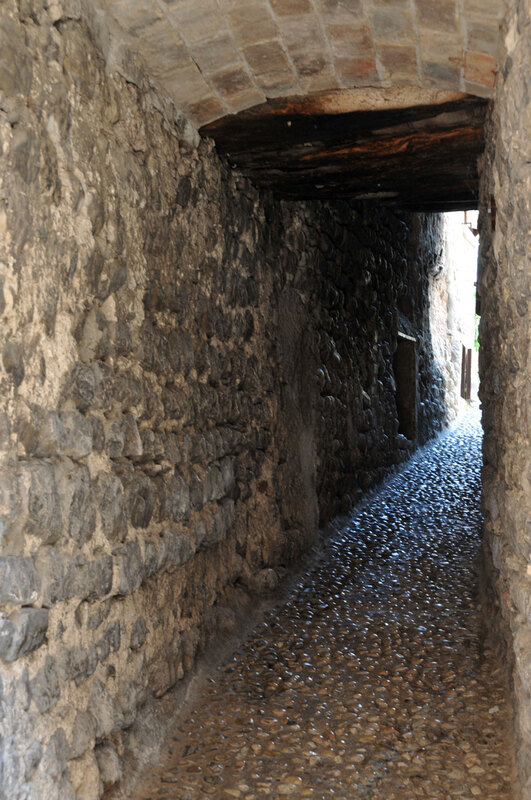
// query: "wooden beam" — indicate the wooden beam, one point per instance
point(422, 156)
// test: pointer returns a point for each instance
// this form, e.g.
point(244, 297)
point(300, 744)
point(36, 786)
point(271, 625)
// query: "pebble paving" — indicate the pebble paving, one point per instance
point(373, 679)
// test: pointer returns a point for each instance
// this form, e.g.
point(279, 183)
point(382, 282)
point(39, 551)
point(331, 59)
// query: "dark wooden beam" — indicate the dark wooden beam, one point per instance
point(422, 157)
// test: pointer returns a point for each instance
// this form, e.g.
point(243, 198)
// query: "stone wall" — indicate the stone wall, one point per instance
point(505, 370)
point(190, 373)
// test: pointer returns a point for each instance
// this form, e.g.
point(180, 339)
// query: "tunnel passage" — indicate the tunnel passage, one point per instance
point(196, 366)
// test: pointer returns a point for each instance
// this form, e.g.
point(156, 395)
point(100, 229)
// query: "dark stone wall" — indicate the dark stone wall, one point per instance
point(505, 373)
point(362, 275)
point(190, 374)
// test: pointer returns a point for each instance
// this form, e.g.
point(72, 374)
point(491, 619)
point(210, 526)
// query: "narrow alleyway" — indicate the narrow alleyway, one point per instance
point(372, 680)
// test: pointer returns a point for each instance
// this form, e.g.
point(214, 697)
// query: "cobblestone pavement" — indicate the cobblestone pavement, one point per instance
point(372, 680)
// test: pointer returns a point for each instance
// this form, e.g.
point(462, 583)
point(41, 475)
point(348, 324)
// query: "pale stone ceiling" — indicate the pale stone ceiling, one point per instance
point(219, 57)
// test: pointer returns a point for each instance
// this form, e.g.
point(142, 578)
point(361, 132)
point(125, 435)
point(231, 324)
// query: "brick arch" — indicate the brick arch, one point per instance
point(221, 57)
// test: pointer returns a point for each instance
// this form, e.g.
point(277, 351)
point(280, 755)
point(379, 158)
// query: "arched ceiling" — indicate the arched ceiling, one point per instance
point(330, 65)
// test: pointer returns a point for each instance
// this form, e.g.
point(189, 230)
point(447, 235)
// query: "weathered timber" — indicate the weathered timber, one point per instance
point(421, 157)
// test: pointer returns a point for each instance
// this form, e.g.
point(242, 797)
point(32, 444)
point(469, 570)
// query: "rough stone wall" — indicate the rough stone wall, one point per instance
point(360, 311)
point(184, 367)
point(505, 370)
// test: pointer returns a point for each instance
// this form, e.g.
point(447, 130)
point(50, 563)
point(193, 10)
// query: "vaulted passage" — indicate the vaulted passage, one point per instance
point(225, 318)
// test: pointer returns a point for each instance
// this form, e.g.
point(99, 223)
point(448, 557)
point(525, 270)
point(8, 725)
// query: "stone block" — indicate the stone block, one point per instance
point(41, 498)
point(19, 581)
point(439, 15)
point(309, 52)
point(114, 439)
point(197, 488)
point(438, 48)
point(478, 89)
point(138, 634)
point(54, 759)
point(16, 71)
point(77, 499)
point(55, 571)
point(78, 664)
point(216, 53)
point(114, 635)
point(132, 442)
point(129, 568)
point(436, 74)
point(232, 81)
point(45, 688)
point(484, 8)
point(103, 648)
point(252, 23)
point(140, 501)
point(151, 559)
point(91, 579)
point(400, 61)
point(129, 697)
point(22, 632)
point(78, 435)
point(148, 440)
point(50, 437)
point(176, 548)
point(163, 672)
point(480, 68)
point(392, 25)
point(291, 7)
point(98, 434)
point(184, 83)
point(342, 11)
point(483, 35)
point(267, 58)
point(32, 759)
point(205, 110)
point(135, 17)
point(109, 764)
point(198, 21)
point(164, 42)
point(110, 502)
point(358, 71)
point(13, 360)
point(350, 41)
point(82, 386)
point(83, 734)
